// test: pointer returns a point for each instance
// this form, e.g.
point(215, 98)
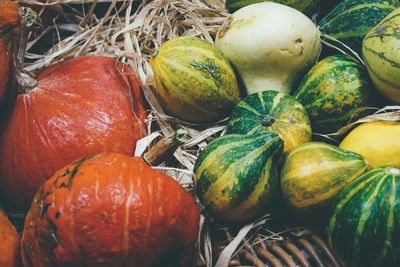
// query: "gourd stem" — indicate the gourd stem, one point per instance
point(164, 148)
point(29, 21)
point(267, 120)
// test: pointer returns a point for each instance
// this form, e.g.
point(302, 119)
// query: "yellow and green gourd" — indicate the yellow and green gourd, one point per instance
point(381, 54)
point(237, 175)
point(194, 81)
point(336, 91)
point(314, 173)
point(351, 20)
point(272, 111)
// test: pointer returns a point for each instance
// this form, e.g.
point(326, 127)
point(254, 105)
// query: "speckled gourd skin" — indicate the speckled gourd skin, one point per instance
point(351, 20)
point(381, 54)
point(314, 173)
point(194, 81)
point(334, 92)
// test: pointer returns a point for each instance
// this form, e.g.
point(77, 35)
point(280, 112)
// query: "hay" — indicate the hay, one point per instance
point(132, 36)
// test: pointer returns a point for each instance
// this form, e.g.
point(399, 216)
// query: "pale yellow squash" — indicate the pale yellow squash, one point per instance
point(270, 45)
point(378, 142)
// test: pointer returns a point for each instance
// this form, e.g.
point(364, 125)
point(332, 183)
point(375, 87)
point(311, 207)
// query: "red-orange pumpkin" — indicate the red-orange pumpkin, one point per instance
point(82, 106)
point(9, 243)
point(9, 22)
point(110, 210)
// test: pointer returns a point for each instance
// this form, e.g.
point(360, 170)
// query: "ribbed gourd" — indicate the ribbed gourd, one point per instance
point(272, 111)
point(334, 92)
point(351, 20)
point(381, 54)
point(364, 224)
point(237, 175)
point(314, 173)
point(193, 80)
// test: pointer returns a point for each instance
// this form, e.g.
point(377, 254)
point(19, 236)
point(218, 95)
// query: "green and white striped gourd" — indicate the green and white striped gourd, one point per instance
point(237, 175)
point(364, 225)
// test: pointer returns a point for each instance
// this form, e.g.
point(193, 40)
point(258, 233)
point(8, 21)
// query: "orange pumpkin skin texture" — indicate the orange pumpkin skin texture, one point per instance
point(9, 243)
point(110, 210)
point(83, 106)
point(9, 22)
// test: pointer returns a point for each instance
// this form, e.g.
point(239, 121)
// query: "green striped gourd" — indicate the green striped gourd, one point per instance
point(364, 226)
point(237, 175)
point(351, 20)
point(336, 90)
point(314, 173)
point(326, 6)
point(308, 7)
point(381, 54)
point(272, 111)
point(194, 81)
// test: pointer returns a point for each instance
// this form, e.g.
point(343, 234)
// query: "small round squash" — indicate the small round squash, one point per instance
point(334, 92)
point(194, 81)
point(377, 141)
point(237, 175)
point(314, 173)
point(110, 210)
point(272, 111)
point(381, 54)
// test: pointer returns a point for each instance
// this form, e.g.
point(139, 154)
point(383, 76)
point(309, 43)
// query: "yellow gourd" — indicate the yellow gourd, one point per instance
point(378, 142)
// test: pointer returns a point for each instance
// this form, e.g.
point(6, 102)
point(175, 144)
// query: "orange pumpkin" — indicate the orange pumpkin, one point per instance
point(110, 210)
point(9, 243)
point(9, 22)
point(79, 107)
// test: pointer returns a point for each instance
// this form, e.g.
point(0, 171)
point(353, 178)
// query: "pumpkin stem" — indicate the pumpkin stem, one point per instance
point(164, 148)
point(29, 21)
point(267, 120)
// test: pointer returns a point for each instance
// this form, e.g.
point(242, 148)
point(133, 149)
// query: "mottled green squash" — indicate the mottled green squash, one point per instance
point(308, 7)
point(381, 54)
point(194, 81)
point(314, 173)
point(237, 175)
point(351, 20)
point(272, 111)
point(364, 225)
point(334, 92)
